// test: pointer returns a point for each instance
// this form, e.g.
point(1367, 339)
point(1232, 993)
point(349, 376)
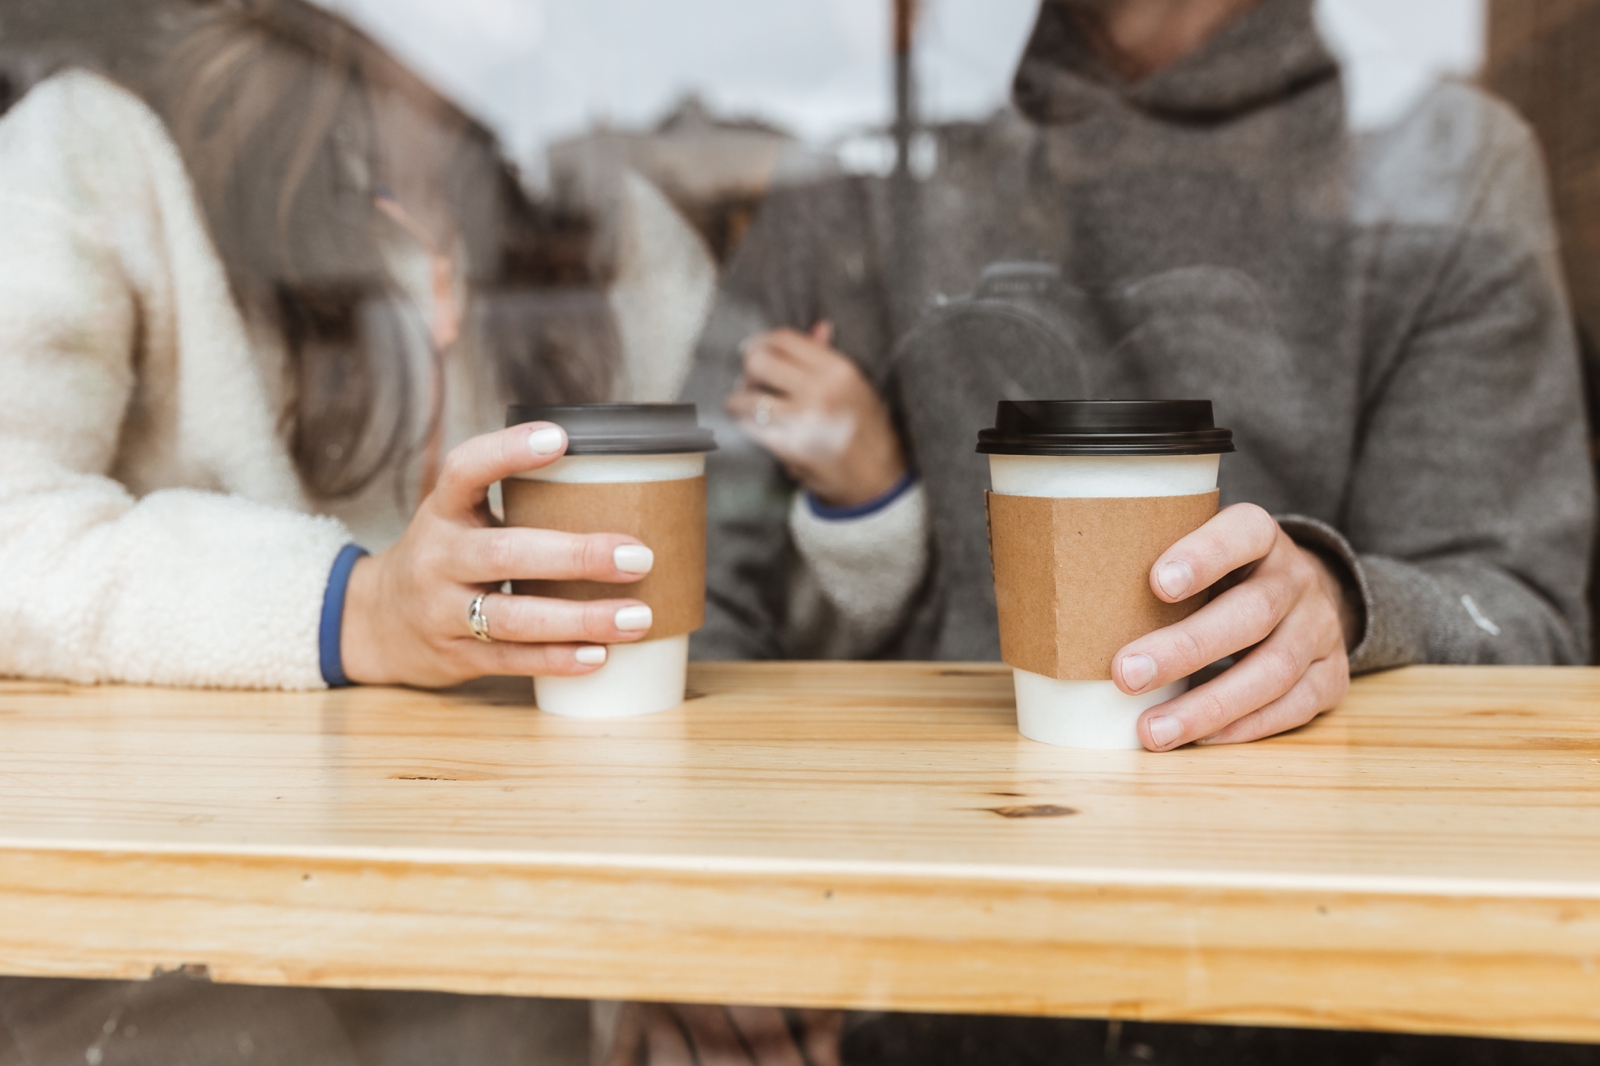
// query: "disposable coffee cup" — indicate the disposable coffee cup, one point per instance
point(1085, 496)
point(639, 470)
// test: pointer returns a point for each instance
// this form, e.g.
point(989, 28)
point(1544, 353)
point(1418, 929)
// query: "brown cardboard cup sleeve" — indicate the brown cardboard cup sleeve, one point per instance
point(669, 517)
point(1072, 576)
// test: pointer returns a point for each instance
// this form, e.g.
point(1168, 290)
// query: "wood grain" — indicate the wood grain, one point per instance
point(1427, 858)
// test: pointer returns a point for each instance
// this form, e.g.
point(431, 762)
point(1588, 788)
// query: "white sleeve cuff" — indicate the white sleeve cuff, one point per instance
point(869, 567)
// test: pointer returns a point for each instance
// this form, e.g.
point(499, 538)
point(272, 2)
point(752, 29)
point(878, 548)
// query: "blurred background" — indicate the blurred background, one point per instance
point(646, 135)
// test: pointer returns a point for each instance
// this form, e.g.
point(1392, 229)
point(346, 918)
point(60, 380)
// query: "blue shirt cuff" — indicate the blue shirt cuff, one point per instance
point(862, 510)
point(333, 615)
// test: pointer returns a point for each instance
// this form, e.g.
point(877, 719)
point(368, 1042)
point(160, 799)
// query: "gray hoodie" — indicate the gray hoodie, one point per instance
point(1378, 317)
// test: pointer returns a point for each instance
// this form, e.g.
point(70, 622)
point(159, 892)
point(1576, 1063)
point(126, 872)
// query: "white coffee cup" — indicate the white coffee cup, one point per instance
point(1094, 714)
point(646, 676)
point(640, 678)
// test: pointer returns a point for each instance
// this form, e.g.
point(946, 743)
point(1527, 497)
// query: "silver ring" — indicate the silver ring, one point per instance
point(476, 619)
point(763, 415)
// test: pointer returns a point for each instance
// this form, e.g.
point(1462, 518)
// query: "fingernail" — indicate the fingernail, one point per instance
point(1164, 730)
point(1138, 671)
point(633, 559)
point(1175, 578)
point(546, 441)
point(633, 619)
point(591, 654)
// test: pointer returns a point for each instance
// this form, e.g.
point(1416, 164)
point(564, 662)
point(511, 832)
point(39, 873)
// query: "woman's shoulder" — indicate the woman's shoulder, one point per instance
point(80, 96)
point(79, 136)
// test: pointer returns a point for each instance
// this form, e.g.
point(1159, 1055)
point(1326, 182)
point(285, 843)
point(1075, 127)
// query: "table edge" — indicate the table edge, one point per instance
point(1020, 876)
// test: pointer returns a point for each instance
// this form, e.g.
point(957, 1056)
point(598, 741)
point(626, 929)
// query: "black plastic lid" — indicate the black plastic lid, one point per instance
point(1104, 427)
point(622, 428)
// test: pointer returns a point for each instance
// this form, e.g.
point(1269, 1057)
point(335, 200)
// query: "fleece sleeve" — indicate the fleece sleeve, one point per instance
point(1471, 510)
point(195, 585)
point(868, 566)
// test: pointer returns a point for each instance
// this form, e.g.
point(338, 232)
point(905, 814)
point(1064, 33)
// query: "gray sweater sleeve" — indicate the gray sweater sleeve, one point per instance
point(1468, 518)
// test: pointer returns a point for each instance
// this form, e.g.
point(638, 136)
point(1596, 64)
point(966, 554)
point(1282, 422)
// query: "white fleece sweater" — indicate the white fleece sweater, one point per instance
point(152, 526)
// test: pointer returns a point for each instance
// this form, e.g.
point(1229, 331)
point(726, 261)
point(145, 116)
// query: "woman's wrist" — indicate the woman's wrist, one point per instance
point(330, 636)
point(872, 466)
point(880, 502)
point(358, 643)
point(868, 484)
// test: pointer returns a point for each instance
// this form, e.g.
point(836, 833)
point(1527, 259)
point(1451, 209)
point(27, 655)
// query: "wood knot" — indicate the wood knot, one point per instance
point(1033, 810)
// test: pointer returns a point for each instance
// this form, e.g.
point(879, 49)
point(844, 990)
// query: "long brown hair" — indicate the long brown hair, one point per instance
point(275, 107)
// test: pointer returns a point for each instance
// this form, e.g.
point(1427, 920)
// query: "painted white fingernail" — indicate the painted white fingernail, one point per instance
point(1175, 578)
point(633, 619)
point(1164, 730)
point(546, 441)
point(633, 559)
point(1138, 671)
point(591, 654)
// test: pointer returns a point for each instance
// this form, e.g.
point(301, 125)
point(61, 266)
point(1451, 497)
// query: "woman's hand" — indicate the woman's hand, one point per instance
point(1278, 600)
point(810, 406)
point(405, 615)
point(664, 1034)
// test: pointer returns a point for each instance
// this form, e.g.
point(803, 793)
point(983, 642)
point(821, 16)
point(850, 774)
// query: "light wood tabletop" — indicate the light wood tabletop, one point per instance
point(1427, 858)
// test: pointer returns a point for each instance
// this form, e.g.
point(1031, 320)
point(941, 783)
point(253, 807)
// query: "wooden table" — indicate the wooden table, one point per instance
point(862, 835)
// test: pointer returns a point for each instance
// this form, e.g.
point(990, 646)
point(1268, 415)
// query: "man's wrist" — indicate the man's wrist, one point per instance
point(1341, 590)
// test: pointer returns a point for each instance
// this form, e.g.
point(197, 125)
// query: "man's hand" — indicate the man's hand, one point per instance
point(810, 406)
point(1280, 605)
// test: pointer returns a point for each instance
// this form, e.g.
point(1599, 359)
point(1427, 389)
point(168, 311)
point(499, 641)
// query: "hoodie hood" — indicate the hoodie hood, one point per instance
point(1271, 52)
